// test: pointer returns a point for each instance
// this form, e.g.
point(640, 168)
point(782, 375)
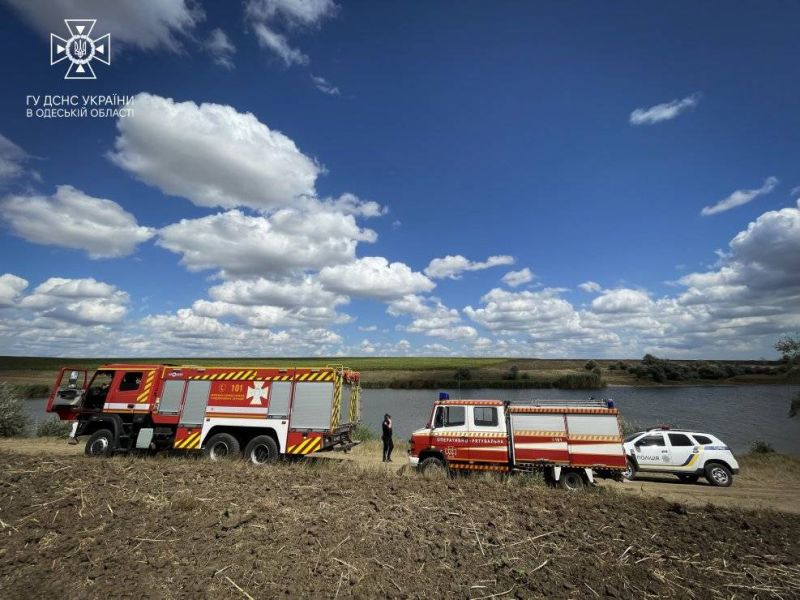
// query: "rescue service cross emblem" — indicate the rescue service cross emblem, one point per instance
point(257, 392)
point(80, 49)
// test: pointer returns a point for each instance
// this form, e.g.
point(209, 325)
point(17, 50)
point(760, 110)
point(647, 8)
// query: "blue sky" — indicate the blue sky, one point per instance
point(291, 172)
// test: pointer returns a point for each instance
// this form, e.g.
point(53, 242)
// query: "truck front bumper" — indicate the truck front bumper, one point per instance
point(413, 461)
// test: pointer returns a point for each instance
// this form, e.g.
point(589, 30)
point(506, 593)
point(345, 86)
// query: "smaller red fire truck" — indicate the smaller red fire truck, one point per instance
point(570, 442)
point(262, 412)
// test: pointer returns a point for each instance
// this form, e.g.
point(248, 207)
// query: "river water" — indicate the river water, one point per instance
point(738, 415)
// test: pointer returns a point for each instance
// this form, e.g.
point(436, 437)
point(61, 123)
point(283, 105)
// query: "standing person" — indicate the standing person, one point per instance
point(388, 444)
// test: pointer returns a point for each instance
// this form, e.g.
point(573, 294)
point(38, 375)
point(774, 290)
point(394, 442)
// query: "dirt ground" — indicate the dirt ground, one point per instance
point(169, 527)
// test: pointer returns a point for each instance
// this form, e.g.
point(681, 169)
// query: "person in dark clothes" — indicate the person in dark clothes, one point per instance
point(388, 444)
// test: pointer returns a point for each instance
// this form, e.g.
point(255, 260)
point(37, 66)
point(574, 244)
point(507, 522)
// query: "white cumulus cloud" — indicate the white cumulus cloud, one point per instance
point(517, 278)
point(663, 112)
point(243, 245)
point(82, 301)
point(590, 287)
point(72, 219)
point(452, 267)
point(11, 287)
point(212, 155)
point(740, 197)
point(374, 277)
point(621, 300)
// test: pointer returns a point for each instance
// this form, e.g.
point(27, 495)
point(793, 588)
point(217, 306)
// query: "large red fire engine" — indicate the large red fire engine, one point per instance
point(222, 411)
point(570, 442)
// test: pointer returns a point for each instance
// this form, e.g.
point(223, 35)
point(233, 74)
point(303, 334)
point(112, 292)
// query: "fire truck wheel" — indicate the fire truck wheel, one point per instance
point(101, 443)
point(261, 450)
point(222, 446)
point(432, 466)
point(719, 475)
point(572, 481)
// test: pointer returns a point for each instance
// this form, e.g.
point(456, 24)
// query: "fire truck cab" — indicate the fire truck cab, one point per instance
point(258, 412)
point(570, 442)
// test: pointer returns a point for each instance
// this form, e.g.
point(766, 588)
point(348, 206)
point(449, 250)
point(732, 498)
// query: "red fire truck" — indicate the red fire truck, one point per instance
point(223, 411)
point(570, 442)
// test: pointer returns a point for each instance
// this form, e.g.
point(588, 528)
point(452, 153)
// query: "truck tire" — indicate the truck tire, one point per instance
point(101, 443)
point(222, 446)
point(572, 481)
point(687, 478)
point(630, 471)
point(432, 466)
point(261, 450)
point(719, 475)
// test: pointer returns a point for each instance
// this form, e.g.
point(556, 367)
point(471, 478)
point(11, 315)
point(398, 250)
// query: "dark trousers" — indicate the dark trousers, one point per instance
point(388, 446)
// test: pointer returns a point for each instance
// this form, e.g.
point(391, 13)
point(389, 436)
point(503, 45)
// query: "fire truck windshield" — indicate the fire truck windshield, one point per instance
point(98, 389)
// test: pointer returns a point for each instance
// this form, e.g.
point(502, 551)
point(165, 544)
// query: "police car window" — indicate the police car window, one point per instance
point(702, 439)
point(678, 439)
point(484, 416)
point(651, 440)
point(130, 381)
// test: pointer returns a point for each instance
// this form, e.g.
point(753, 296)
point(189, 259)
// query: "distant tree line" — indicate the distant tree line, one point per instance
point(661, 370)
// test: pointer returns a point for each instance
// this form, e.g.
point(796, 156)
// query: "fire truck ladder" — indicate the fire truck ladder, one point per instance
point(588, 403)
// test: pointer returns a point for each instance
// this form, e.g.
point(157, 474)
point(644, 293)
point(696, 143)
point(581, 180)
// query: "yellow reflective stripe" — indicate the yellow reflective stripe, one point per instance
point(313, 446)
point(313, 376)
point(299, 448)
point(184, 443)
point(303, 377)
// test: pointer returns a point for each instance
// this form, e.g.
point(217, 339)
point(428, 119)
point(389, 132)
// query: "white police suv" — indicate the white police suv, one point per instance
point(687, 454)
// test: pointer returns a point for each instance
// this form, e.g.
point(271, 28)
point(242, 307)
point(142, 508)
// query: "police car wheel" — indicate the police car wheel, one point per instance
point(222, 446)
point(101, 443)
point(572, 481)
point(719, 475)
point(630, 471)
point(261, 450)
point(688, 478)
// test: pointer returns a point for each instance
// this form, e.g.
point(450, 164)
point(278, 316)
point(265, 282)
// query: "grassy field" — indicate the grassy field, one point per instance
point(34, 374)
